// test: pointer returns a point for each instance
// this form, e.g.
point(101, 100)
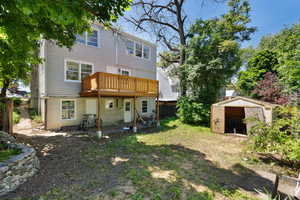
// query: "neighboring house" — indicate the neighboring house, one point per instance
point(169, 90)
point(107, 73)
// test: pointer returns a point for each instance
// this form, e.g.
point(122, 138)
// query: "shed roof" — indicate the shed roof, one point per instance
point(262, 103)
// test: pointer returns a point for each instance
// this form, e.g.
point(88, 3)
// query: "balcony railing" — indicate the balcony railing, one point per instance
point(106, 84)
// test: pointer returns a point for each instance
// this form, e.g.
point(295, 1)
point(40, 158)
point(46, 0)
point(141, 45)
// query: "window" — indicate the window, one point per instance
point(68, 109)
point(124, 72)
point(109, 104)
point(144, 106)
point(72, 71)
point(130, 47)
point(127, 106)
point(80, 38)
point(90, 39)
point(146, 52)
point(175, 88)
point(86, 70)
point(138, 50)
point(76, 71)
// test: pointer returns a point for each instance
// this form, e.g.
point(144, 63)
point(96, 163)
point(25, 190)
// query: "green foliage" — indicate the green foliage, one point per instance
point(281, 138)
point(52, 20)
point(192, 112)
point(6, 153)
point(17, 101)
point(260, 63)
point(287, 44)
point(16, 117)
point(213, 55)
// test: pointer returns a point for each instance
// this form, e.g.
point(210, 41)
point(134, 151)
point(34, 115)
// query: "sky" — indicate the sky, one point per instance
point(268, 16)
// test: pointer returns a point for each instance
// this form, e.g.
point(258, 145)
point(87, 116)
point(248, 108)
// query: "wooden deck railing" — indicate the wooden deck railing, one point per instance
point(107, 84)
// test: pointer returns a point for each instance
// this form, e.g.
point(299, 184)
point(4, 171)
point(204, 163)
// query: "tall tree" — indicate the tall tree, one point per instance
point(24, 22)
point(260, 63)
point(167, 20)
point(213, 51)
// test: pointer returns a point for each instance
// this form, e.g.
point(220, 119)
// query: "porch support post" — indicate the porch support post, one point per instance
point(157, 111)
point(134, 115)
point(99, 128)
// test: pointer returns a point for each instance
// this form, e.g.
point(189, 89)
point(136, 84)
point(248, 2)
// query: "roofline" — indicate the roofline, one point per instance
point(263, 103)
point(115, 29)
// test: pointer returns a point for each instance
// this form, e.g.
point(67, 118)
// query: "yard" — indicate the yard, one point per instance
point(178, 162)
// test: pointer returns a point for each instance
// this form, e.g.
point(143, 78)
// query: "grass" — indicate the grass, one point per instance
point(179, 162)
point(6, 153)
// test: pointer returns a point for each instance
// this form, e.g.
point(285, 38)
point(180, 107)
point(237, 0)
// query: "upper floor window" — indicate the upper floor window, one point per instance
point(130, 47)
point(90, 39)
point(138, 49)
point(77, 71)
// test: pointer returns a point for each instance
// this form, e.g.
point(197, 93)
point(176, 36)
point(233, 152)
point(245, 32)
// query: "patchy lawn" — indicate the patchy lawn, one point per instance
point(179, 162)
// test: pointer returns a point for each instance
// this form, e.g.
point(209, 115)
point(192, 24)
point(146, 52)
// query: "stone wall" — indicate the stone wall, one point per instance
point(17, 169)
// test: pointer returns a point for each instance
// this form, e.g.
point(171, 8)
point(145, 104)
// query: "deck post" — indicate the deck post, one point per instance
point(99, 128)
point(157, 111)
point(134, 115)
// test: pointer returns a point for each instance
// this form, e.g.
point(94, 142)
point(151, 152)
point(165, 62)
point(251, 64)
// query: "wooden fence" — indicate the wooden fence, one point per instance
point(6, 115)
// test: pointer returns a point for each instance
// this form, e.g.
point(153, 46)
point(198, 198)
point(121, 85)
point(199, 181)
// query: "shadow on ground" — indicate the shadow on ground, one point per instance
point(75, 167)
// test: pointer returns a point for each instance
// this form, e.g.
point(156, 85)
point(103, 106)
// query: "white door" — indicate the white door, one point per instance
point(91, 106)
point(127, 110)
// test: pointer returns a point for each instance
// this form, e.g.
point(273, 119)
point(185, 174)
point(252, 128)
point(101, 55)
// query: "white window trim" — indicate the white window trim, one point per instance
point(86, 37)
point(75, 109)
point(79, 62)
point(142, 106)
point(134, 48)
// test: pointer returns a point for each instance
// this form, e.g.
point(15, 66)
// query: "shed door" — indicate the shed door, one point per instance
point(255, 113)
point(217, 119)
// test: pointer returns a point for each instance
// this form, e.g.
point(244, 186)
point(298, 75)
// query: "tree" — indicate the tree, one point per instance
point(262, 61)
point(24, 22)
point(270, 90)
point(213, 54)
point(167, 20)
point(287, 45)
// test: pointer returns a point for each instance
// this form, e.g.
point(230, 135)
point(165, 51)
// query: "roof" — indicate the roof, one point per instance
point(262, 103)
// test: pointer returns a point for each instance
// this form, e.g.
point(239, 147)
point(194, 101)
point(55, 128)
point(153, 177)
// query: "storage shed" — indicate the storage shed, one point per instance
point(228, 116)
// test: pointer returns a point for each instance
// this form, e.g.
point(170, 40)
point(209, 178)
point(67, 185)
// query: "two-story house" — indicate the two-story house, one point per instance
point(108, 73)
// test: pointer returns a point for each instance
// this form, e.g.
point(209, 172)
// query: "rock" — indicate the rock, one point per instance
point(6, 138)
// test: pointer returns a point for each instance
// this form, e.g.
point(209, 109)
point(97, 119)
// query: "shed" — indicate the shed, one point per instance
point(228, 116)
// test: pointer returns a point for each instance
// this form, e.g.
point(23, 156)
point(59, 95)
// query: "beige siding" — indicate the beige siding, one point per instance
point(109, 116)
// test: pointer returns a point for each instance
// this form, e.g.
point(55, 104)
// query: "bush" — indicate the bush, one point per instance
point(281, 138)
point(17, 101)
point(16, 117)
point(192, 112)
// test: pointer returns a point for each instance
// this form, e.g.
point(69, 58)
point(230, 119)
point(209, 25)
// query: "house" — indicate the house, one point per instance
point(229, 116)
point(169, 91)
point(107, 73)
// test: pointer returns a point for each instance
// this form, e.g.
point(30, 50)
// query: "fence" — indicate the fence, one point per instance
point(6, 115)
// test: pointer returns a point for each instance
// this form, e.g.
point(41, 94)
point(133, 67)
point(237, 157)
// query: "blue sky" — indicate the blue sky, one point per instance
point(269, 16)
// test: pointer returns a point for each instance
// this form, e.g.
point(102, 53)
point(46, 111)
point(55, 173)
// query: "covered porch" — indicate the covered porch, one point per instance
point(130, 96)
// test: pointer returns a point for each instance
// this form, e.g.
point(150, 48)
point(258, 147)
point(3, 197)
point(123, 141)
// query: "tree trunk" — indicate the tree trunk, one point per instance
point(34, 87)
point(6, 83)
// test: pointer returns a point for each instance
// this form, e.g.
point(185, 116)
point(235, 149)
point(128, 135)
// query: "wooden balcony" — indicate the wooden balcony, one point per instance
point(106, 84)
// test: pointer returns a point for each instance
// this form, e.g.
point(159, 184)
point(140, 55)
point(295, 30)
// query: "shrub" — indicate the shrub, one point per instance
point(17, 101)
point(16, 117)
point(38, 118)
point(192, 112)
point(281, 138)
